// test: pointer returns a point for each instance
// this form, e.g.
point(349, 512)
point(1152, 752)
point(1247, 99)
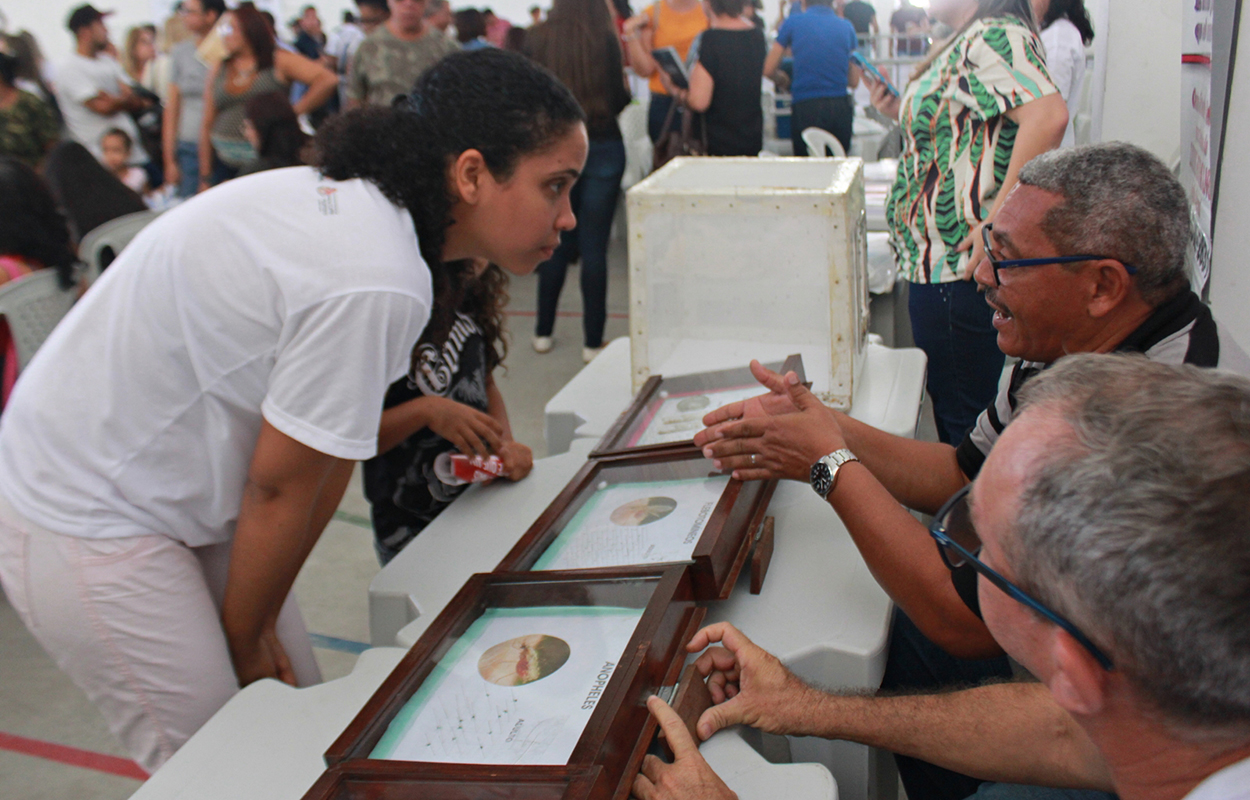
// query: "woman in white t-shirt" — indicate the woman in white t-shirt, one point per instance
point(1066, 32)
point(172, 454)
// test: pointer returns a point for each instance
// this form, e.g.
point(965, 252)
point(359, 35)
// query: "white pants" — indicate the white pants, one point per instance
point(136, 623)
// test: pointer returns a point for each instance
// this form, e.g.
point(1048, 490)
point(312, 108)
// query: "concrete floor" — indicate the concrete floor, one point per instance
point(45, 721)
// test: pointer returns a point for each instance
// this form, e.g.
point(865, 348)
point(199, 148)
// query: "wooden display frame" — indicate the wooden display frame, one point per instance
point(722, 549)
point(637, 415)
point(391, 781)
point(620, 728)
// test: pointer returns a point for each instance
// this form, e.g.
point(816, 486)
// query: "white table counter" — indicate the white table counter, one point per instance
point(820, 611)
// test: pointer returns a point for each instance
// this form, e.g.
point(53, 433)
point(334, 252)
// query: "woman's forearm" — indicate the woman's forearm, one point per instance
point(401, 421)
point(206, 150)
point(206, 127)
point(321, 82)
point(1042, 123)
point(169, 126)
point(640, 61)
point(291, 492)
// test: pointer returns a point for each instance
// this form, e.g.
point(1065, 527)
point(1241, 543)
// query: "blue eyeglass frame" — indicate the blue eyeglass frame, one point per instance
point(1037, 262)
point(937, 529)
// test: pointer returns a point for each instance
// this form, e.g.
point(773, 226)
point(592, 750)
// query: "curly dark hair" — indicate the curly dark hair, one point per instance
point(499, 103)
point(31, 226)
point(483, 298)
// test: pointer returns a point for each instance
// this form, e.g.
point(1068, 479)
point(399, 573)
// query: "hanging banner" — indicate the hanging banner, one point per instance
point(1196, 151)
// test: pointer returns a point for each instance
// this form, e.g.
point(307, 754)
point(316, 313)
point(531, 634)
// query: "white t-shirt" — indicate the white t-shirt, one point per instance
point(78, 80)
point(282, 295)
point(1065, 61)
point(1230, 783)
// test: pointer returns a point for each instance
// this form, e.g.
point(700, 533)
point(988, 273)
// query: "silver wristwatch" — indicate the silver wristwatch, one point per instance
point(825, 471)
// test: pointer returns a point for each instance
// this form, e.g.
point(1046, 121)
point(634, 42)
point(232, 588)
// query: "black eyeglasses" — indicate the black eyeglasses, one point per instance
point(959, 543)
point(1036, 262)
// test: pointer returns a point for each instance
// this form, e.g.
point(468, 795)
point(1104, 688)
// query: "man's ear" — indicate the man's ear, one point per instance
point(468, 173)
point(1077, 681)
point(1111, 284)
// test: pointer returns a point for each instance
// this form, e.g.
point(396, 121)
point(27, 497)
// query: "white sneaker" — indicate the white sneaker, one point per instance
point(543, 344)
point(589, 353)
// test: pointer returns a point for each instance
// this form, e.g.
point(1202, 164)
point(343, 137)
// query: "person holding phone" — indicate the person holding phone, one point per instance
point(665, 23)
point(822, 43)
point(974, 112)
point(872, 72)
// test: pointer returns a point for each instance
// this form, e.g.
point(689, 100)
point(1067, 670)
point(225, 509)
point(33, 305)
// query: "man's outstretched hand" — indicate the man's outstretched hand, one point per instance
point(783, 444)
point(776, 401)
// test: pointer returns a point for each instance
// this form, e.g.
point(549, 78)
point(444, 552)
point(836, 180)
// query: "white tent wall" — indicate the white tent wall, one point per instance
point(1230, 269)
point(1136, 82)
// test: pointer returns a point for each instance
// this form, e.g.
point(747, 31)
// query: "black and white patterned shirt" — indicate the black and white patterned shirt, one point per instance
point(1180, 331)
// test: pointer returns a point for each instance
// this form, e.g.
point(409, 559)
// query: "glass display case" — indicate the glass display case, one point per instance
point(647, 510)
point(531, 671)
point(667, 412)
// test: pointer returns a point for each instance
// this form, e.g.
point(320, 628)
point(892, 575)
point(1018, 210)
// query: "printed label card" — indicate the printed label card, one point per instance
point(624, 524)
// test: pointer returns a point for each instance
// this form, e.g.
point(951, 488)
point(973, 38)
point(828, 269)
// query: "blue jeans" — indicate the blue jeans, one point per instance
point(188, 155)
point(594, 202)
point(952, 324)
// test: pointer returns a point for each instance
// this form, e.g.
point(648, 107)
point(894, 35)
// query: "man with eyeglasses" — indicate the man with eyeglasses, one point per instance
point(1086, 255)
point(1109, 530)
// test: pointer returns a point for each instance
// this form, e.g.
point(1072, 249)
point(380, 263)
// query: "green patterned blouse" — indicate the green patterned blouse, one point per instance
point(957, 143)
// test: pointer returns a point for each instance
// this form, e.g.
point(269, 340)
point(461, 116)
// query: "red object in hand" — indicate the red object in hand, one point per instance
point(475, 469)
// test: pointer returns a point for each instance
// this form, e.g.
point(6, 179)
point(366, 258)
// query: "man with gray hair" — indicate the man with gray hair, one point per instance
point(1109, 529)
point(1086, 255)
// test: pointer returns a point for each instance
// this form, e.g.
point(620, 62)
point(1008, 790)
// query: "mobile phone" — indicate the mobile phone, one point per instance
point(871, 69)
point(668, 60)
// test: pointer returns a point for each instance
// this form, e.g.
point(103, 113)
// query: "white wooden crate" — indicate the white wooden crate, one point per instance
point(739, 258)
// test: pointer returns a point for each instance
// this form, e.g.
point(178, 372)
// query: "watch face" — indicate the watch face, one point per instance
point(821, 478)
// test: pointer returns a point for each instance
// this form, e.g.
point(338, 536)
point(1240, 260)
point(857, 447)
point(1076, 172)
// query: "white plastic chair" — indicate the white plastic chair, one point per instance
point(32, 306)
point(101, 245)
point(819, 140)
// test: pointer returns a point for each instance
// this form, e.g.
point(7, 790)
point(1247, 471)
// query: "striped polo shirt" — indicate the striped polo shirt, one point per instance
point(1180, 331)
